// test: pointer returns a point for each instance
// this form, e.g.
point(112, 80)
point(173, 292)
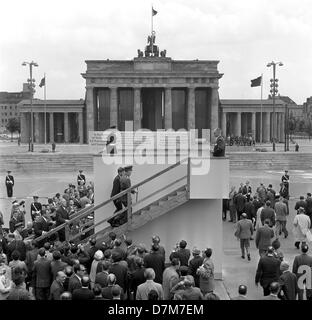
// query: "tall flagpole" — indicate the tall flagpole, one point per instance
point(45, 113)
point(261, 109)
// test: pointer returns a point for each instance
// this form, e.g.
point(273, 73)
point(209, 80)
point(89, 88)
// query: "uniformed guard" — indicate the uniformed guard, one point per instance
point(35, 208)
point(9, 183)
point(285, 185)
point(81, 179)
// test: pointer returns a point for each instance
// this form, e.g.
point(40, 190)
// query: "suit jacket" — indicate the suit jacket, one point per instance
point(121, 273)
point(107, 293)
point(18, 245)
point(74, 283)
point(263, 237)
point(268, 270)
point(219, 147)
point(57, 266)
point(301, 260)
point(281, 211)
point(170, 279)
point(83, 294)
point(301, 203)
point(42, 273)
point(155, 260)
point(56, 290)
point(137, 278)
point(240, 201)
point(194, 264)
point(309, 206)
point(41, 225)
point(61, 215)
point(183, 255)
point(244, 229)
point(268, 213)
point(116, 186)
point(101, 279)
point(289, 286)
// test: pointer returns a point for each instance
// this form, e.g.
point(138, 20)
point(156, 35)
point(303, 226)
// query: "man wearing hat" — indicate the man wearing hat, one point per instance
point(9, 183)
point(116, 188)
point(16, 217)
point(244, 232)
point(18, 230)
point(288, 283)
point(81, 179)
point(268, 271)
point(35, 208)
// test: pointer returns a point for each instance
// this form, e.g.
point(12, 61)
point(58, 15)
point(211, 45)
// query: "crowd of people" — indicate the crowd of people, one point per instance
point(264, 213)
point(240, 141)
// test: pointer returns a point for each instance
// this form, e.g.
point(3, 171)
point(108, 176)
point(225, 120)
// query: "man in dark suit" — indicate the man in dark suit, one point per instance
point(242, 292)
point(35, 208)
point(9, 183)
point(62, 216)
point(219, 147)
point(111, 283)
point(75, 279)
point(57, 264)
point(274, 290)
point(119, 270)
point(182, 253)
point(304, 259)
point(268, 213)
point(263, 237)
point(271, 195)
point(57, 287)
point(155, 261)
point(18, 245)
point(116, 188)
point(102, 273)
point(239, 202)
point(301, 203)
point(288, 283)
point(41, 226)
point(194, 264)
point(268, 271)
point(31, 257)
point(309, 206)
point(42, 276)
point(81, 178)
point(83, 293)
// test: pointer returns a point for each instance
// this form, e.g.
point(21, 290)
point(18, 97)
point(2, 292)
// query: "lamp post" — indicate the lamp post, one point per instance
point(273, 91)
point(31, 85)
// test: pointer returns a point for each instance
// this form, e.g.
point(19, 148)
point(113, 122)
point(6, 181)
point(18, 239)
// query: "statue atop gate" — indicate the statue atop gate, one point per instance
point(151, 50)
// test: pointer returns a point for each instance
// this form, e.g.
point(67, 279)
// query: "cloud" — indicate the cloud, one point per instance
point(244, 35)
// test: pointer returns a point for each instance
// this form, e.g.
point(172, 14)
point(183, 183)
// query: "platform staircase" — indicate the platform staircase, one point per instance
point(176, 194)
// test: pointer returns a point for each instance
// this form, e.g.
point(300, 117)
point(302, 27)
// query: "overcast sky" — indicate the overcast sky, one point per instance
point(244, 35)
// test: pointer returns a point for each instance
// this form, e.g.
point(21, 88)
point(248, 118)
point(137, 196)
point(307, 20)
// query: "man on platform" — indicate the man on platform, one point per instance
point(219, 147)
point(9, 183)
point(35, 208)
point(62, 216)
point(116, 188)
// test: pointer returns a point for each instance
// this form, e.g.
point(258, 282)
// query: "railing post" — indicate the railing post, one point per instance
point(129, 205)
point(188, 177)
point(66, 232)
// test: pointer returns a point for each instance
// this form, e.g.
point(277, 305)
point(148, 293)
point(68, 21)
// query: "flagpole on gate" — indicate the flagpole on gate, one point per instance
point(152, 30)
point(261, 109)
point(45, 113)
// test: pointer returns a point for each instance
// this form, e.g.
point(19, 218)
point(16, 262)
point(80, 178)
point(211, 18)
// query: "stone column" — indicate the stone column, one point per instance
point(24, 131)
point(282, 127)
point(36, 127)
point(253, 125)
point(214, 122)
point(80, 127)
point(66, 129)
point(51, 125)
point(113, 107)
point(137, 117)
point(266, 126)
point(90, 110)
point(238, 127)
point(223, 127)
point(191, 108)
point(168, 108)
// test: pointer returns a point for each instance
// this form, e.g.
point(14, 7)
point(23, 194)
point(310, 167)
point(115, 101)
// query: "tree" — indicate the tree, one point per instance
point(13, 125)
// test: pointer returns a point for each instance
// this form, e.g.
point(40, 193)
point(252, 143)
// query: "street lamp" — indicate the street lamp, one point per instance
point(273, 91)
point(31, 86)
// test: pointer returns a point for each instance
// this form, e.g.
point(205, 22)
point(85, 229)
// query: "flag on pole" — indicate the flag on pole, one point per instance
point(154, 12)
point(256, 82)
point(42, 82)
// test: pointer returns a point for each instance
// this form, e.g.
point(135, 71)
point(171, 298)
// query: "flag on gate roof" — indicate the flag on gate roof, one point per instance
point(256, 82)
point(42, 82)
point(154, 12)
